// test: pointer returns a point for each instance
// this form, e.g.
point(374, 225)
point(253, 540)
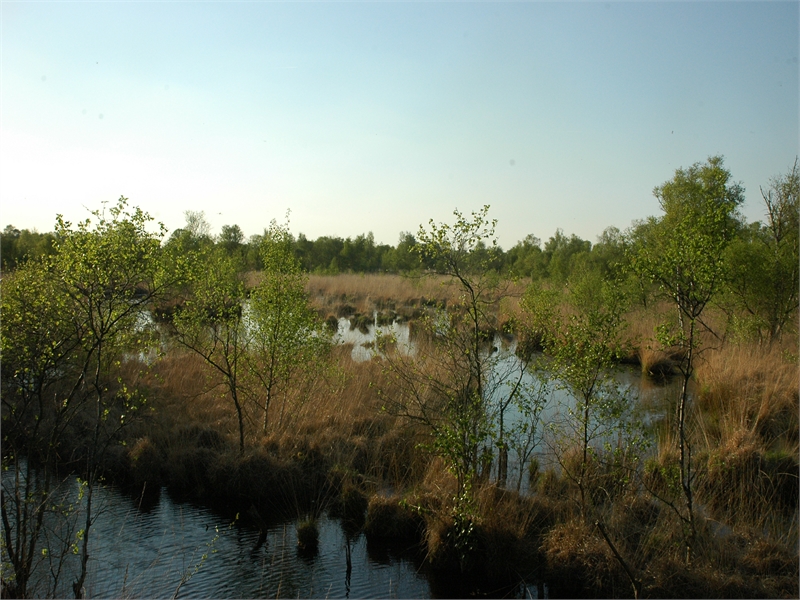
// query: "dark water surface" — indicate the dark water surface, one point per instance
point(189, 551)
point(138, 554)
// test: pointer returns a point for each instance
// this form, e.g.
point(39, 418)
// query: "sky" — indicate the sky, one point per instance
point(379, 116)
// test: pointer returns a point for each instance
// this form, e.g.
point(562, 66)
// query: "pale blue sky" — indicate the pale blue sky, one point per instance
point(379, 116)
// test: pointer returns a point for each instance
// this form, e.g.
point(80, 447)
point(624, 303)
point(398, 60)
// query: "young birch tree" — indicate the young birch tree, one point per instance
point(764, 261)
point(111, 272)
point(581, 330)
point(38, 349)
point(211, 323)
point(454, 383)
point(68, 322)
point(287, 343)
point(683, 253)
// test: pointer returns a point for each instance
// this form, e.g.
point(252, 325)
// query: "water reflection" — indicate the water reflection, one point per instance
point(191, 551)
point(363, 339)
point(649, 400)
point(649, 403)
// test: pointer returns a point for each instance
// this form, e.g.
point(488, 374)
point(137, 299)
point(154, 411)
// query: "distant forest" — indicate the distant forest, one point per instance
point(330, 255)
point(555, 260)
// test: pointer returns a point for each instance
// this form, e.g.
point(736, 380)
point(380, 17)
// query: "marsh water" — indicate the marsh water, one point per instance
point(172, 548)
point(182, 549)
point(649, 400)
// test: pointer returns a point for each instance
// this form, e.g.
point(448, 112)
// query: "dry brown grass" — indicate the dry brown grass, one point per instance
point(366, 293)
point(390, 518)
point(188, 394)
point(577, 558)
point(744, 486)
point(647, 535)
point(641, 327)
point(350, 295)
point(748, 388)
point(334, 439)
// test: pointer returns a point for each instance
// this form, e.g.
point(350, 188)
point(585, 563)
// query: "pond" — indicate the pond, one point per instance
point(649, 400)
point(363, 339)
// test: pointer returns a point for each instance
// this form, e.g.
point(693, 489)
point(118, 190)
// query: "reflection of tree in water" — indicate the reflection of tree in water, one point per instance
point(348, 540)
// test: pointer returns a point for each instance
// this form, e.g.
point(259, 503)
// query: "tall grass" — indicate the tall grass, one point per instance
point(747, 416)
point(376, 292)
point(749, 388)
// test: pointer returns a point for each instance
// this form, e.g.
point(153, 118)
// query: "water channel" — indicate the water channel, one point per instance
point(173, 549)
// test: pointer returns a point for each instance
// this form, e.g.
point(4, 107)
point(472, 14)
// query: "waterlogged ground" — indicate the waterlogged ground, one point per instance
point(649, 401)
point(191, 551)
point(188, 551)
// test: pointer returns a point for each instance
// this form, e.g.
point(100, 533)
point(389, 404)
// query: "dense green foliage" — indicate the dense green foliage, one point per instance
point(331, 255)
point(682, 252)
point(763, 270)
point(210, 321)
point(760, 274)
point(16, 247)
point(69, 319)
point(584, 340)
point(459, 388)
